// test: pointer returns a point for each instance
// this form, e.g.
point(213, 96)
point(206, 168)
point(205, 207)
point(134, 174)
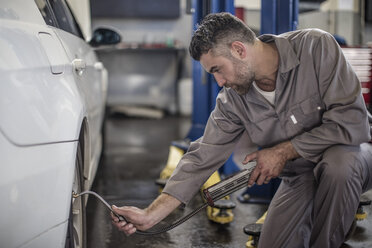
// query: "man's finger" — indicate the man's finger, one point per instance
point(114, 217)
point(267, 180)
point(253, 177)
point(128, 228)
point(116, 209)
point(132, 230)
point(249, 157)
point(119, 224)
point(122, 211)
point(260, 179)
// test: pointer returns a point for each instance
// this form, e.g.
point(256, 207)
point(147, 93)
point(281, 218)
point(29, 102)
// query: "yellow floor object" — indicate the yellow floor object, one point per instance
point(220, 215)
point(262, 219)
point(253, 240)
point(174, 156)
point(361, 216)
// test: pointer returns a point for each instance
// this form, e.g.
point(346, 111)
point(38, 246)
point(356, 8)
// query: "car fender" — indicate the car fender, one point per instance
point(35, 190)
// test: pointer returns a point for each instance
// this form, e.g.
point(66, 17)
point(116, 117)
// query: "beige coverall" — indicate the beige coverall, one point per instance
point(320, 109)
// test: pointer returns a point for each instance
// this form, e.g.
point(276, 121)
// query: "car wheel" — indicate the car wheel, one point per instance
point(76, 232)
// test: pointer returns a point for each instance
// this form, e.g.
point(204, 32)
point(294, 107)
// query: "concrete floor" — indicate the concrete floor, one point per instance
point(136, 150)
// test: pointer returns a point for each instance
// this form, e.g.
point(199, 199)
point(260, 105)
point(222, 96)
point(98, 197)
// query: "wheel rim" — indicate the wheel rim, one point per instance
point(76, 228)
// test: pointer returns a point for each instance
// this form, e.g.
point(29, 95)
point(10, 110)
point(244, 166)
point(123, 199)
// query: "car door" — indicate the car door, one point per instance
point(90, 76)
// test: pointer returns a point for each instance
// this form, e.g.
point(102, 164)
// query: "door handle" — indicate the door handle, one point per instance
point(98, 66)
point(79, 66)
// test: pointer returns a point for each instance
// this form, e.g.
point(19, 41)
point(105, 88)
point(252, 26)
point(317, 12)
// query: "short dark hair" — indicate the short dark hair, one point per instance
point(219, 29)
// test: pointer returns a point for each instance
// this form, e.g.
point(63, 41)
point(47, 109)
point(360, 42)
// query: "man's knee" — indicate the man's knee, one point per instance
point(339, 164)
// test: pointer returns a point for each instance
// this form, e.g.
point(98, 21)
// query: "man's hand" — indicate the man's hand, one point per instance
point(143, 219)
point(137, 219)
point(270, 162)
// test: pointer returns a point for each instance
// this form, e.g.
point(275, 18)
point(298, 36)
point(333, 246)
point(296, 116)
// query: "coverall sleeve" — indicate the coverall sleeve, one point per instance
point(208, 153)
point(345, 119)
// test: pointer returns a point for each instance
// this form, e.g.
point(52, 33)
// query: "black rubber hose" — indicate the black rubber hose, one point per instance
point(175, 224)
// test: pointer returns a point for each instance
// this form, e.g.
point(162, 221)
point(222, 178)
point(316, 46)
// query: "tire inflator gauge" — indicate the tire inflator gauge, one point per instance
point(211, 195)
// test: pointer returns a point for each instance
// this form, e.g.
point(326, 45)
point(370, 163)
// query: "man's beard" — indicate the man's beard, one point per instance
point(244, 78)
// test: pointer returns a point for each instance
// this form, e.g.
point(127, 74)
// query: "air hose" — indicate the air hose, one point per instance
point(211, 195)
point(154, 232)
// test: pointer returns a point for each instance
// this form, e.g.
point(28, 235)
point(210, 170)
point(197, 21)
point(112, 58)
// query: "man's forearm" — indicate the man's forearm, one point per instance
point(286, 150)
point(161, 207)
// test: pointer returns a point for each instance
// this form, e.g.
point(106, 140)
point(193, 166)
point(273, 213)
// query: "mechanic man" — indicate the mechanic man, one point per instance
point(297, 98)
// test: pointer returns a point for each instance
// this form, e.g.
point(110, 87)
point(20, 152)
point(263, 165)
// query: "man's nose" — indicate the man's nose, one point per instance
point(221, 81)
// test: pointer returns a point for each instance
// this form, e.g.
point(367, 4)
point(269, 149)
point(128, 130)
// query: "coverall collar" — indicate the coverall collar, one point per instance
point(287, 61)
point(287, 57)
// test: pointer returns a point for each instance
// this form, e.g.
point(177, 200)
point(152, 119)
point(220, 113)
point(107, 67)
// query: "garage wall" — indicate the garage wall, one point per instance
point(252, 13)
point(147, 77)
point(335, 16)
point(154, 31)
point(343, 23)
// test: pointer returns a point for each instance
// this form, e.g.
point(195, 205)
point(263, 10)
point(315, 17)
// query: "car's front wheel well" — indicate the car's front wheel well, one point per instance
point(85, 150)
point(76, 231)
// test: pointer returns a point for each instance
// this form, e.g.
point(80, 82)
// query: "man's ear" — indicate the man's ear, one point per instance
point(238, 49)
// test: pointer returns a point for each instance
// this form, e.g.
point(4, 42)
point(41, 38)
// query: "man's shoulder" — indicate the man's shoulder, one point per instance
point(309, 33)
point(229, 99)
point(227, 94)
point(307, 38)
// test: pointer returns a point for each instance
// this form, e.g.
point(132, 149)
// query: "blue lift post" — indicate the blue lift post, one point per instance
point(277, 16)
point(205, 88)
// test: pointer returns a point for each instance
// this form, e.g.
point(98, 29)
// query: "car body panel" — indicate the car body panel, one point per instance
point(52, 236)
point(35, 189)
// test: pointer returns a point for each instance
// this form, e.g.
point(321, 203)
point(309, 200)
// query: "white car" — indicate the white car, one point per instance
point(52, 102)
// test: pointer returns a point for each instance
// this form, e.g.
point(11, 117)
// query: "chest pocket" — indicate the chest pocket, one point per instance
point(304, 116)
point(279, 127)
point(266, 132)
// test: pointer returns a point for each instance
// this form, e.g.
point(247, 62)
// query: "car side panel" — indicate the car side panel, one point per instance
point(35, 190)
point(51, 237)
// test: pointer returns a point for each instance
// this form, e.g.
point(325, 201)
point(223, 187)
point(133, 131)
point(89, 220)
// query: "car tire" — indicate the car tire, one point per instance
point(103, 130)
point(76, 231)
